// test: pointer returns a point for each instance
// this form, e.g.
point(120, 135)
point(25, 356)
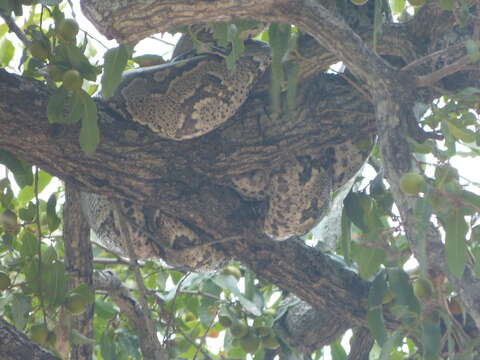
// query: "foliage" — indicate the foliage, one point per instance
point(233, 307)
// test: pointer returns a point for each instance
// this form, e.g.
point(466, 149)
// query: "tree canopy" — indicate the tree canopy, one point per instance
point(391, 272)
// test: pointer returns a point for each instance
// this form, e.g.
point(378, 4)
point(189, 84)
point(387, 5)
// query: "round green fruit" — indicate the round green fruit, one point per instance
point(270, 342)
point(250, 342)
point(55, 72)
point(68, 29)
point(72, 80)
point(76, 303)
point(225, 321)
point(39, 50)
point(416, 2)
point(238, 329)
point(411, 183)
point(359, 2)
point(4, 281)
point(187, 317)
point(8, 219)
point(232, 270)
point(39, 334)
point(422, 289)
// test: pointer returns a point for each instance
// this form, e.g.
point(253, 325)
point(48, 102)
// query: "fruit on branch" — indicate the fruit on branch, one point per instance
point(422, 289)
point(39, 334)
point(72, 80)
point(68, 30)
point(4, 281)
point(411, 183)
point(76, 303)
point(39, 50)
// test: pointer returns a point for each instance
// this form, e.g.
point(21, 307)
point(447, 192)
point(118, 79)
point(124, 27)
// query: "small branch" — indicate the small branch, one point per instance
point(361, 344)
point(151, 347)
point(120, 295)
point(15, 29)
point(78, 260)
point(431, 56)
point(163, 41)
point(434, 77)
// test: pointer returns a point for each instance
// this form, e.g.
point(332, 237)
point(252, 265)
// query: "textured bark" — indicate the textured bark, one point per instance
point(16, 346)
point(149, 342)
point(361, 344)
point(78, 259)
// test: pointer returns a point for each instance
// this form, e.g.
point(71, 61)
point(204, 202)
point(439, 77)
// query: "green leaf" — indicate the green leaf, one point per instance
point(54, 283)
point(368, 259)
point(80, 62)
point(53, 221)
point(220, 33)
point(473, 50)
point(375, 320)
point(389, 345)
point(7, 50)
point(423, 212)
point(378, 290)
point(89, 133)
point(56, 106)
point(397, 6)
point(115, 61)
point(337, 351)
point(29, 245)
point(21, 306)
point(456, 229)
point(28, 192)
point(431, 337)
point(346, 238)
point(86, 292)
point(376, 325)
point(358, 207)
point(279, 35)
point(238, 46)
point(76, 109)
point(28, 213)
point(447, 4)
point(293, 76)
point(22, 171)
point(228, 282)
point(459, 133)
point(402, 290)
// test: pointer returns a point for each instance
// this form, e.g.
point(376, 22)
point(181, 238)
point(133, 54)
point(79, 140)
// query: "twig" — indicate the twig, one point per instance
point(202, 341)
point(431, 56)
point(432, 78)
point(15, 29)
point(162, 41)
point(151, 344)
point(39, 249)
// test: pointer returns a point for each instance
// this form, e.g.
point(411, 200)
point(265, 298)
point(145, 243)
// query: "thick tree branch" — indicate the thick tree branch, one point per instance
point(311, 16)
point(78, 260)
point(185, 178)
point(16, 346)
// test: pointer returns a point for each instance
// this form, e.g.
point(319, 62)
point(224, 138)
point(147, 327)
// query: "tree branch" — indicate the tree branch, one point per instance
point(16, 346)
point(78, 260)
point(107, 280)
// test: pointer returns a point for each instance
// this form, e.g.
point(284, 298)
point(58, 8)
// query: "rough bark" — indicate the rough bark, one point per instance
point(79, 263)
point(16, 346)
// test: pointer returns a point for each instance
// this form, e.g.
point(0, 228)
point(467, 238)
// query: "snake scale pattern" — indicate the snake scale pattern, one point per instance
point(187, 99)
